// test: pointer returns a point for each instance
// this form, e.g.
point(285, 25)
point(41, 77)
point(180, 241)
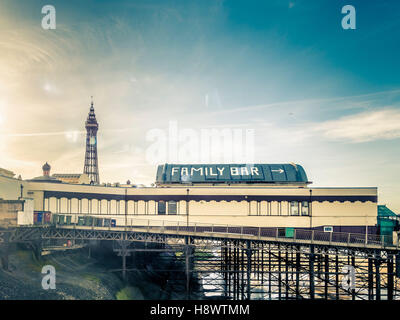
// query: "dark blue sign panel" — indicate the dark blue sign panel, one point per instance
point(231, 173)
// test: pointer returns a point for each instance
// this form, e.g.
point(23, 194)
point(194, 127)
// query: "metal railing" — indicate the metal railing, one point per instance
point(274, 233)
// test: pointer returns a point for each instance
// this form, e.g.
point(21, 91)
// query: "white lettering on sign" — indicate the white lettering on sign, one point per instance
point(184, 171)
point(211, 172)
point(216, 171)
point(198, 169)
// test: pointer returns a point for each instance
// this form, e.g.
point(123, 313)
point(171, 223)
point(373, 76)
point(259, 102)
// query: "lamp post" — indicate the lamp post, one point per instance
point(126, 210)
point(310, 209)
point(187, 207)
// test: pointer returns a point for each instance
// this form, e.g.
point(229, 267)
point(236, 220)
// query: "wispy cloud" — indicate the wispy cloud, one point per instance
point(363, 127)
point(362, 101)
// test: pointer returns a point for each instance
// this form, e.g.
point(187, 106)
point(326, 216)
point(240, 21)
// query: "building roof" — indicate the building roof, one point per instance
point(45, 179)
point(7, 173)
point(67, 175)
point(384, 211)
point(231, 173)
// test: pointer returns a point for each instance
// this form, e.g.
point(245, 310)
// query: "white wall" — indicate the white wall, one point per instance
point(223, 212)
point(26, 217)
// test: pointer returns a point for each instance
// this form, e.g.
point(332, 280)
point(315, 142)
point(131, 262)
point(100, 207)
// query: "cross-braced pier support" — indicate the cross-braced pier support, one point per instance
point(123, 252)
point(236, 268)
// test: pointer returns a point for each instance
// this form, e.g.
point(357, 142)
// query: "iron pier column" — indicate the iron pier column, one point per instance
point(311, 272)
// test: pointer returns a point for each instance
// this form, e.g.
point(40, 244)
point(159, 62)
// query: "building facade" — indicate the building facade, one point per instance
point(278, 202)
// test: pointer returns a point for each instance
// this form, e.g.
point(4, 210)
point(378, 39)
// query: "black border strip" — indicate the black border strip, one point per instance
point(228, 198)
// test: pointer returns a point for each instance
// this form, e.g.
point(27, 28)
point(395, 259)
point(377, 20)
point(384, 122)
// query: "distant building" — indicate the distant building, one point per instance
point(6, 173)
point(75, 178)
point(46, 176)
point(128, 184)
point(9, 212)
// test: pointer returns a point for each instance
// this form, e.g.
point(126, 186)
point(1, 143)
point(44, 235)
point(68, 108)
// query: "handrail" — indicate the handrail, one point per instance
point(299, 235)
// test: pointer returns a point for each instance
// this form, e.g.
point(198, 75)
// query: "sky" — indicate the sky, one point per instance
point(286, 73)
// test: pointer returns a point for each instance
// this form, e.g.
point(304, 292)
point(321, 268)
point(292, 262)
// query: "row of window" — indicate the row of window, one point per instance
point(280, 208)
point(299, 206)
point(295, 208)
point(171, 205)
point(272, 208)
point(110, 207)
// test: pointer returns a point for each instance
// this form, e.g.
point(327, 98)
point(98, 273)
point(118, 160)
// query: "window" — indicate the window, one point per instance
point(294, 208)
point(253, 208)
point(328, 229)
point(281, 232)
point(172, 207)
point(305, 208)
point(161, 207)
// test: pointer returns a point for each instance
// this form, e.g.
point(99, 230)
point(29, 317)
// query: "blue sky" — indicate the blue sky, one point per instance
point(314, 94)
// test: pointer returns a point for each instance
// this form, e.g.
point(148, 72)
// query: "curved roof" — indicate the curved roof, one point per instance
point(231, 173)
point(45, 179)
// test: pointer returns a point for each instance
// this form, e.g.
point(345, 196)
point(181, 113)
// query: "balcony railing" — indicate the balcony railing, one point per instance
point(250, 232)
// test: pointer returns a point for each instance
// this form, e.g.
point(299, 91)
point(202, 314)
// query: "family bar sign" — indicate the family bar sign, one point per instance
point(176, 173)
point(219, 171)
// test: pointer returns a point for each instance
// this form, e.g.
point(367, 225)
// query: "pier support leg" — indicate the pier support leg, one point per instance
point(390, 281)
point(123, 252)
point(370, 280)
point(286, 273)
point(337, 284)
point(248, 275)
point(261, 251)
point(4, 256)
point(297, 273)
point(224, 266)
point(326, 265)
point(353, 290)
point(378, 278)
point(242, 281)
point(269, 272)
point(229, 270)
point(188, 264)
point(279, 274)
point(311, 272)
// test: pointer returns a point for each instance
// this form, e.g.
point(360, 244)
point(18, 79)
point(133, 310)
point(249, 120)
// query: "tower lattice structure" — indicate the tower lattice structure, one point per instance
point(91, 167)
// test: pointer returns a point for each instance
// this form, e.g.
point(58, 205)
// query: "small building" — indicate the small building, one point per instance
point(74, 178)
point(9, 212)
point(6, 173)
point(388, 221)
point(46, 176)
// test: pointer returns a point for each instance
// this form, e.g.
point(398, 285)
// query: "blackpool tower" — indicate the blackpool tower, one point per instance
point(91, 161)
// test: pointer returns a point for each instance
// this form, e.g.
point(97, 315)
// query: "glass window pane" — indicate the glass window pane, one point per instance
point(304, 208)
point(161, 207)
point(172, 207)
point(294, 208)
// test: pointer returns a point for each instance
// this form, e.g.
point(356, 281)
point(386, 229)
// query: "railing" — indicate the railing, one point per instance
point(279, 234)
